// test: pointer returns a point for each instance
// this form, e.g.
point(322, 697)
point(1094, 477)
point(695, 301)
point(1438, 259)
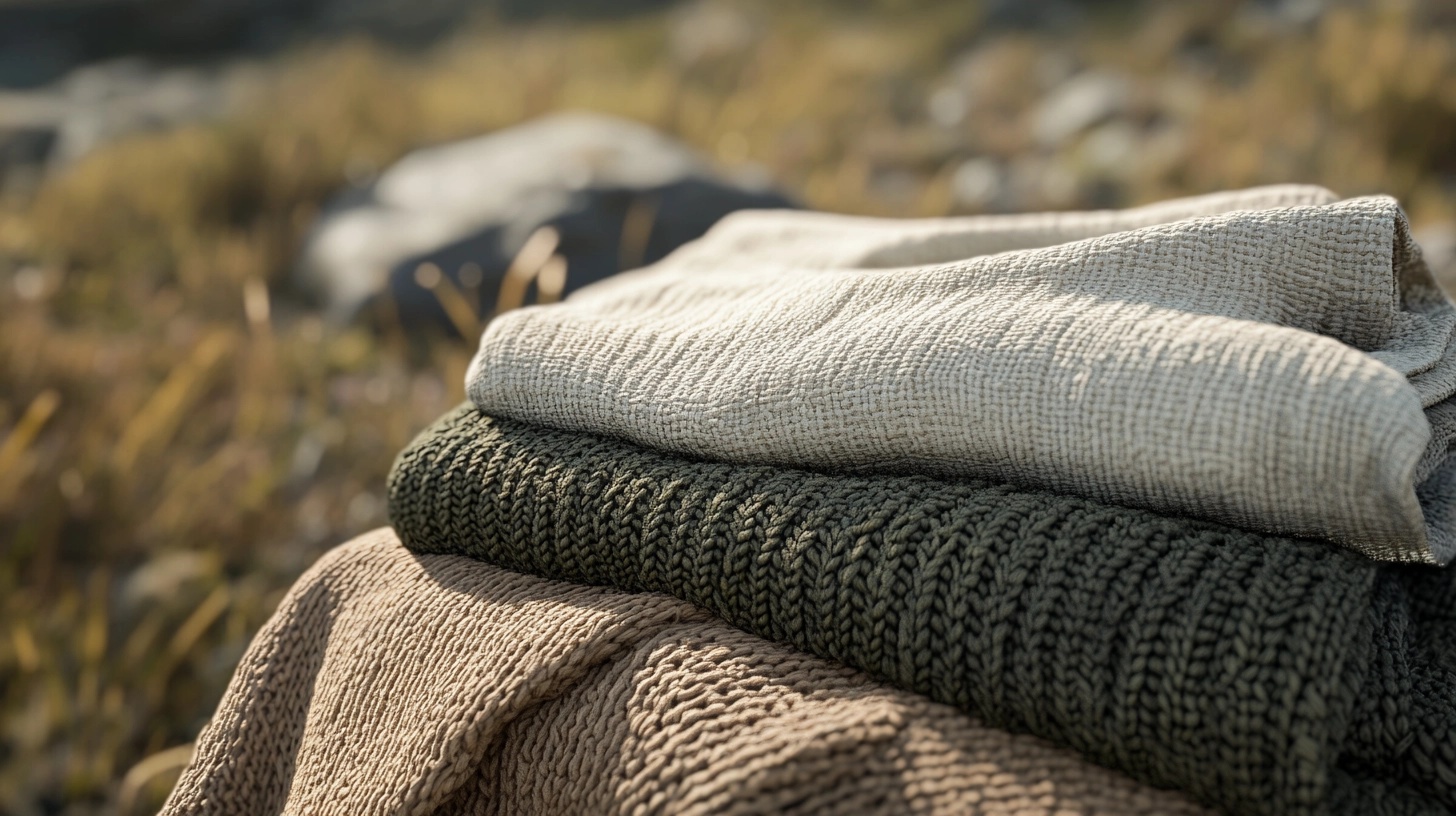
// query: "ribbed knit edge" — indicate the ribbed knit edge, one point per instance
point(879, 574)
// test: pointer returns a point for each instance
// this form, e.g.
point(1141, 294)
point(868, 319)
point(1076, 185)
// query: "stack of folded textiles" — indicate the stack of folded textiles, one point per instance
point(1137, 484)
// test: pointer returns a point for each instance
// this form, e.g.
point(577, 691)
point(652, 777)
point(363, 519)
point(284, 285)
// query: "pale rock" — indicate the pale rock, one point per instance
point(1085, 100)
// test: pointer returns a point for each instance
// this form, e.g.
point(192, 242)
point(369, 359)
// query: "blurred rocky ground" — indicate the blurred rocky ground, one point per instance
point(75, 74)
point(46, 129)
point(1025, 112)
point(40, 40)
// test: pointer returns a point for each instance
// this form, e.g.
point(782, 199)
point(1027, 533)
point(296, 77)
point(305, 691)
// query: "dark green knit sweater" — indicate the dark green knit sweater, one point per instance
point(1260, 674)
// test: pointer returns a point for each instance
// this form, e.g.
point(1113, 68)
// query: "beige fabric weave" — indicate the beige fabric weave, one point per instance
point(828, 240)
point(1271, 360)
point(389, 683)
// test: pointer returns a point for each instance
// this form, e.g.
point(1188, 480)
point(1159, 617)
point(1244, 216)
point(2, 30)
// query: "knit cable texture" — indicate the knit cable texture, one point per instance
point(1271, 361)
point(1259, 674)
point(388, 683)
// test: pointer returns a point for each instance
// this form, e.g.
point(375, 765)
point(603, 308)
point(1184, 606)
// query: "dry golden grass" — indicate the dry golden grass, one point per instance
point(177, 443)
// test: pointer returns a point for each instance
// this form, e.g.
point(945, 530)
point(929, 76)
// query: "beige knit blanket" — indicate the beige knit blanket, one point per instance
point(1272, 359)
point(390, 683)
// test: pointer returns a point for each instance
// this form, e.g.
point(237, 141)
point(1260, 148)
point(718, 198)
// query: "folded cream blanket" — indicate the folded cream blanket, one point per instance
point(389, 683)
point(1270, 359)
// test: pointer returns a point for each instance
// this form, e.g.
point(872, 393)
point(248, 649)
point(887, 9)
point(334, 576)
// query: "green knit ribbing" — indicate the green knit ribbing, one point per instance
point(1259, 674)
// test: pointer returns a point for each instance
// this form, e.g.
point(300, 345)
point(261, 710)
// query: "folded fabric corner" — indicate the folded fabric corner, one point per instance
point(1266, 359)
point(389, 682)
point(1260, 674)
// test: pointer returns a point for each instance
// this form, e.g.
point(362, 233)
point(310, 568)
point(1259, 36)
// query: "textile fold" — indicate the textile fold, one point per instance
point(1268, 359)
point(390, 683)
point(1259, 674)
point(824, 514)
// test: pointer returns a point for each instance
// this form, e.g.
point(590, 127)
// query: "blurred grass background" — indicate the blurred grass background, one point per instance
point(178, 442)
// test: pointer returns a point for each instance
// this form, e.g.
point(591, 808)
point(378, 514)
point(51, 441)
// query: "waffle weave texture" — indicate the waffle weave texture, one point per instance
point(1258, 674)
point(388, 683)
point(1267, 359)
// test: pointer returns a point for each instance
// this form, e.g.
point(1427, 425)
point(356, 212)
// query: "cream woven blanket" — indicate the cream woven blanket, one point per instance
point(1272, 359)
point(390, 683)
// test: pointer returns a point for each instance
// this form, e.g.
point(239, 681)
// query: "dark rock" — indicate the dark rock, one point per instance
point(616, 193)
point(1035, 15)
point(23, 151)
point(40, 40)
